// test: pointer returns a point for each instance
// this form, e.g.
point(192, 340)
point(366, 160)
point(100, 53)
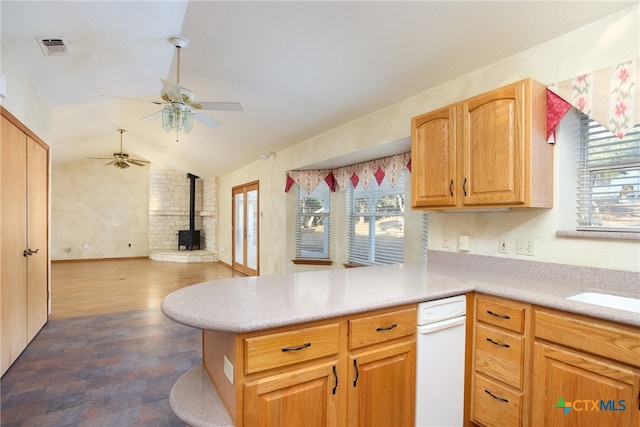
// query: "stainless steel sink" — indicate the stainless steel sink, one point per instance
point(608, 300)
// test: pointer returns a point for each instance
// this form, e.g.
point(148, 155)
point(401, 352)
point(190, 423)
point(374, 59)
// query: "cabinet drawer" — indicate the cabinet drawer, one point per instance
point(499, 355)
point(495, 405)
point(505, 314)
point(616, 342)
point(382, 327)
point(286, 348)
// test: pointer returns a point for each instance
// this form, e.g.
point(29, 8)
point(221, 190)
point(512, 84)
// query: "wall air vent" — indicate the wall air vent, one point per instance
point(53, 46)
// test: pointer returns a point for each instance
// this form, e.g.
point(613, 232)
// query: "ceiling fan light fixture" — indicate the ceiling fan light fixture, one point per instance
point(177, 118)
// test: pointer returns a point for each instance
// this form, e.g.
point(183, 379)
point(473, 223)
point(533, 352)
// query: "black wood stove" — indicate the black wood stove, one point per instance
point(191, 237)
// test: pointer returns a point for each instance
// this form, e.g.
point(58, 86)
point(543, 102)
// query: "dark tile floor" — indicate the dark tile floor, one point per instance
point(107, 370)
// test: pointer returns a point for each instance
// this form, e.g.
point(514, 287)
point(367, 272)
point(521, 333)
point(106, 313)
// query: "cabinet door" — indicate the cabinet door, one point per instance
point(433, 157)
point(303, 397)
point(493, 148)
point(13, 211)
point(573, 389)
point(37, 226)
point(382, 386)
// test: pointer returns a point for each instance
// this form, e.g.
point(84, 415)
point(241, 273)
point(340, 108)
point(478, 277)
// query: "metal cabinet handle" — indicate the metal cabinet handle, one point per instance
point(502, 316)
point(388, 328)
point(335, 375)
point(464, 186)
point(502, 399)
point(451, 188)
point(300, 347)
point(355, 366)
point(29, 252)
point(498, 343)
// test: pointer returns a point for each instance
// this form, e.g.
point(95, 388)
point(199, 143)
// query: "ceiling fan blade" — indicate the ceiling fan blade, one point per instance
point(98, 158)
point(110, 163)
point(152, 116)
point(133, 99)
point(139, 160)
point(172, 90)
point(134, 162)
point(218, 106)
point(203, 118)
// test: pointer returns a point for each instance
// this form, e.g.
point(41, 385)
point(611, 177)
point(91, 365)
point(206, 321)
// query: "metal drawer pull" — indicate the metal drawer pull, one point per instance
point(496, 397)
point(388, 328)
point(502, 316)
point(355, 366)
point(300, 347)
point(498, 343)
point(335, 375)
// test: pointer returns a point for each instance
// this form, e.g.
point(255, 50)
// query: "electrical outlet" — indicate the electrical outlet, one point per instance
point(228, 369)
point(503, 245)
point(445, 241)
point(463, 243)
point(524, 247)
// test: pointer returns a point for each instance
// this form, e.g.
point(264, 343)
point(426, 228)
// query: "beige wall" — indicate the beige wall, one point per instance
point(606, 42)
point(23, 99)
point(98, 210)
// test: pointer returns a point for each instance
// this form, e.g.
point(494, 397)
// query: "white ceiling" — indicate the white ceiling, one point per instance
point(298, 68)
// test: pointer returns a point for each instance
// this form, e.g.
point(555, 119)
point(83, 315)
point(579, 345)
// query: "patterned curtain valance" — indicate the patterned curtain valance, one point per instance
point(610, 96)
point(390, 167)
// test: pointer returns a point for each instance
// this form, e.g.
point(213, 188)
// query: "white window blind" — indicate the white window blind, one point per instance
point(313, 223)
point(375, 223)
point(608, 179)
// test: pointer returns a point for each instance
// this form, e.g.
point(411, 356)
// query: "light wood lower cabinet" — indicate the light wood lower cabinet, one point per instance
point(500, 362)
point(587, 372)
point(542, 367)
point(382, 386)
point(302, 397)
point(352, 370)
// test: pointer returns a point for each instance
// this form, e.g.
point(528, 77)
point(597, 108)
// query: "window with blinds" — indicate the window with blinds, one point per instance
point(375, 223)
point(312, 223)
point(608, 179)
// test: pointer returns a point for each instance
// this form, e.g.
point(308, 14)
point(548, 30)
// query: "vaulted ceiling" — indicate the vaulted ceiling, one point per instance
point(298, 68)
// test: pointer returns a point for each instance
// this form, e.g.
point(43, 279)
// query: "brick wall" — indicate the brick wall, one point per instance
point(169, 209)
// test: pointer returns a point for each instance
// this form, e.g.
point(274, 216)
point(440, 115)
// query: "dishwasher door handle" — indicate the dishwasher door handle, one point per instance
point(443, 324)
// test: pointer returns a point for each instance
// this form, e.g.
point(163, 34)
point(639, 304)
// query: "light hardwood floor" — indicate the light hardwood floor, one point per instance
point(86, 288)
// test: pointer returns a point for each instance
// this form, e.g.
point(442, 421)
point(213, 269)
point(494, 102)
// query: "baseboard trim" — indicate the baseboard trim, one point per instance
point(56, 261)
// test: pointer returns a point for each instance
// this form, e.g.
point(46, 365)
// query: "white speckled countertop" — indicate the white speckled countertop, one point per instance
point(257, 303)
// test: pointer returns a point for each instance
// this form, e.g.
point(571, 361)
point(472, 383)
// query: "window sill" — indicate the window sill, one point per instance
point(604, 235)
point(354, 265)
point(308, 261)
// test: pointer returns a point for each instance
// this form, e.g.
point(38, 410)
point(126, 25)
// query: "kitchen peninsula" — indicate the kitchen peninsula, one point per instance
point(236, 314)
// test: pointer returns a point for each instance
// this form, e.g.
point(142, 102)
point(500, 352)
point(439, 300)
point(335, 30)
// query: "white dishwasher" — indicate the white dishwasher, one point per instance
point(440, 362)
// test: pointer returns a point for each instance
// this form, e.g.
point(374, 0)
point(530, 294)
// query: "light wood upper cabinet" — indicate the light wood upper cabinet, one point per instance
point(433, 158)
point(489, 151)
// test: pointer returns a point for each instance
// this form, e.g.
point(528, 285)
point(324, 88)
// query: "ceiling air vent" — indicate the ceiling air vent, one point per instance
point(53, 46)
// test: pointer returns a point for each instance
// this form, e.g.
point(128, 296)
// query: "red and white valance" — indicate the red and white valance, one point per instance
point(610, 96)
point(358, 174)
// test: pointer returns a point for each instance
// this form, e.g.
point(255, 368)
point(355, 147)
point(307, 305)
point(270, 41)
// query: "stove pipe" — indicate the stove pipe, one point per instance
point(192, 202)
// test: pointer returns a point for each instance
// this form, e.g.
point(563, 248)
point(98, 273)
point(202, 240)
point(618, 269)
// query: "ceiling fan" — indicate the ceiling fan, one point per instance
point(178, 103)
point(121, 160)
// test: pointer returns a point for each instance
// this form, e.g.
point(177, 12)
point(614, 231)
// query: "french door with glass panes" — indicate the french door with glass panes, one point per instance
point(246, 253)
